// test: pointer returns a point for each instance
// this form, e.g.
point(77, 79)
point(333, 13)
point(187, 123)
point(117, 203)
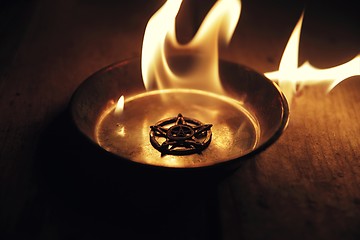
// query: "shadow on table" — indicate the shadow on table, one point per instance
point(89, 194)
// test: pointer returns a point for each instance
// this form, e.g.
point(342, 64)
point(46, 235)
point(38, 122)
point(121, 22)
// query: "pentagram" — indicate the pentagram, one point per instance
point(180, 132)
point(180, 135)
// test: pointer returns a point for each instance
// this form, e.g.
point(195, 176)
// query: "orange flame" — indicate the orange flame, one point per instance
point(218, 25)
point(118, 111)
point(120, 106)
point(290, 75)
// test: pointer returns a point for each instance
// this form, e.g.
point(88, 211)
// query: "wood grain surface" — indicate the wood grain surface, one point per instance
point(305, 186)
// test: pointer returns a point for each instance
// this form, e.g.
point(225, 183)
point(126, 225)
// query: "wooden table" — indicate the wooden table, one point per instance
point(305, 186)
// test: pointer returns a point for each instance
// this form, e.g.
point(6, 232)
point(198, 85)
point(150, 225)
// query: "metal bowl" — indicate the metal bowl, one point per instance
point(259, 102)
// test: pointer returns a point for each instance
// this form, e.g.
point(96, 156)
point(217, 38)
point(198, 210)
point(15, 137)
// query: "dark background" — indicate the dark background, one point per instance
point(53, 185)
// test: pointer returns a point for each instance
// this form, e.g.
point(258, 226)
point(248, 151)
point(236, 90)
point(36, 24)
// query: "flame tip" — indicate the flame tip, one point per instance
point(160, 34)
point(119, 108)
point(290, 75)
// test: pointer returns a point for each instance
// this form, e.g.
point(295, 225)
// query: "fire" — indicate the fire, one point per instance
point(118, 111)
point(120, 106)
point(290, 75)
point(160, 36)
point(160, 43)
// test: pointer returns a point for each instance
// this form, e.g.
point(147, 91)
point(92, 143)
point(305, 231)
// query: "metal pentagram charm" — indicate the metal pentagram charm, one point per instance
point(180, 135)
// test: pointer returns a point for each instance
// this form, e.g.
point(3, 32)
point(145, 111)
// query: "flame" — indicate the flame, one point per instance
point(160, 37)
point(290, 75)
point(119, 109)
